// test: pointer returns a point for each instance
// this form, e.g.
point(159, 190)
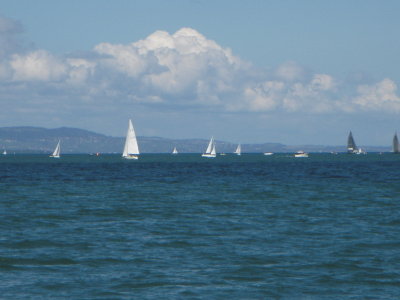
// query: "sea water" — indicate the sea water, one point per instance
point(187, 227)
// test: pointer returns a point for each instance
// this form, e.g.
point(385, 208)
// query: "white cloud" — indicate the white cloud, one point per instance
point(290, 71)
point(38, 65)
point(184, 69)
point(380, 96)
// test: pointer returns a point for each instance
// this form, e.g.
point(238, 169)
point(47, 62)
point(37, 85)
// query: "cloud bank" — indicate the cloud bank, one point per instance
point(183, 70)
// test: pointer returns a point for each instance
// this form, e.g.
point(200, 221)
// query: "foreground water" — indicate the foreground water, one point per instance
point(186, 227)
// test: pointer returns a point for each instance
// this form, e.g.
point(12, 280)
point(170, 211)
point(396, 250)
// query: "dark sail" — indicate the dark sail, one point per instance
point(395, 144)
point(351, 145)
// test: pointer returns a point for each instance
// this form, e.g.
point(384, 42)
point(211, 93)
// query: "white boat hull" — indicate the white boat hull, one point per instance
point(301, 155)
point(209, 155)
point(131, 157)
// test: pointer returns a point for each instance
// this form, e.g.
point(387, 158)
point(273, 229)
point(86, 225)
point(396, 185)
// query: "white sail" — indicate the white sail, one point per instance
point(213, 151)
point(174, 151)
point(210, 145)
point(238, 150)
point(131, 148)
point(57, 150)
point(210, 152)
point(5, 152)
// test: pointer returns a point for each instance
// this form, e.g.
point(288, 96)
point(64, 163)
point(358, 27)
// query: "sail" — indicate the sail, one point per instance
point(238, 150)
point(174, 151)
point(213, 150)
point(57, 151)
point(131, 146)
point(395, 144)
point(5, 152)
point(210, 145)
point(351, 145)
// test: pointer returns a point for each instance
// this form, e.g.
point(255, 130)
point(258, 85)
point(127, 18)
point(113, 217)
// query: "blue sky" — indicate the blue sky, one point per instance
point(296, 72)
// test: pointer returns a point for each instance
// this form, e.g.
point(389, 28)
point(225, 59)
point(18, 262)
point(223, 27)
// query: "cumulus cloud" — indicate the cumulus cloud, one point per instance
point(380, 96)
point(183, 69)
point(37, 65)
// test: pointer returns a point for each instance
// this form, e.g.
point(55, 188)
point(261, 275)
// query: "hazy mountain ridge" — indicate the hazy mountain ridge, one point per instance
point(27, 139)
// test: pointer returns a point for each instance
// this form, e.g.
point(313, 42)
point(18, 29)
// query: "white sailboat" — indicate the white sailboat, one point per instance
point(211, 151)
point(238, 150)
point(174, 151)
point(57, 151)
point(131, 148)
point(5, 152)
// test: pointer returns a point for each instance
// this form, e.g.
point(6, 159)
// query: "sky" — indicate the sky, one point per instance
point(285, 71)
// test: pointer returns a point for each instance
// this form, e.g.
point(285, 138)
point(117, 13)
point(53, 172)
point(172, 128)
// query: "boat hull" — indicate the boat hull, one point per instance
point(131, 157)
point(301, 155)
point(209, 155)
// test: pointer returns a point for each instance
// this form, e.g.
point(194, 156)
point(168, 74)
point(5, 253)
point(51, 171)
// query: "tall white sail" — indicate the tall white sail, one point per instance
point(210, 151)
point(238, 150)
point(5, 152)
point(174, 151)
point(57, 150)
point(210, 145)
point(131, 148)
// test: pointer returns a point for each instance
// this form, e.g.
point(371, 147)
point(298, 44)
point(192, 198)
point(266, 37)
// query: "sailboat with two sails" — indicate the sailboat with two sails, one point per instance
point(131, 148)
point(210, 151)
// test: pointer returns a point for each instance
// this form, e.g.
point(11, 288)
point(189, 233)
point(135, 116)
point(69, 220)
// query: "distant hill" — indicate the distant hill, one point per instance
point(74, 140)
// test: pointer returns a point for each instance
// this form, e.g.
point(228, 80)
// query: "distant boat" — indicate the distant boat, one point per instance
point(4, 152)
point(211, 151)
point(351, 144)
point(268, 153)
point(174, 151)
point(57, 151)
point(352, 147)
point(131, 148)
point(301, 154)
point(238, 150)
point(395, 144)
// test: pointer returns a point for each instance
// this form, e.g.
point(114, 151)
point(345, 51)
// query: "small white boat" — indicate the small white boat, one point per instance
point(174, 151)
point(268, 153)
point(238, 150)
point(301, 154)
point(5, 152)
point(211, 151)
point(57, 151)
point(131, 148)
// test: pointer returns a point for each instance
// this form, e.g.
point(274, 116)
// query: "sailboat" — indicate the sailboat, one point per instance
point(352, 147)
point(174, 151)
point(131, 148)
point(210, 152)
point(5, 152)
point(56, 153)
point(238, 150)
point(395, 144)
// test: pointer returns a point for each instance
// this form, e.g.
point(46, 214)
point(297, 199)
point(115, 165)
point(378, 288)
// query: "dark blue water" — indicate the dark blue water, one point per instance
point(186, 227)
